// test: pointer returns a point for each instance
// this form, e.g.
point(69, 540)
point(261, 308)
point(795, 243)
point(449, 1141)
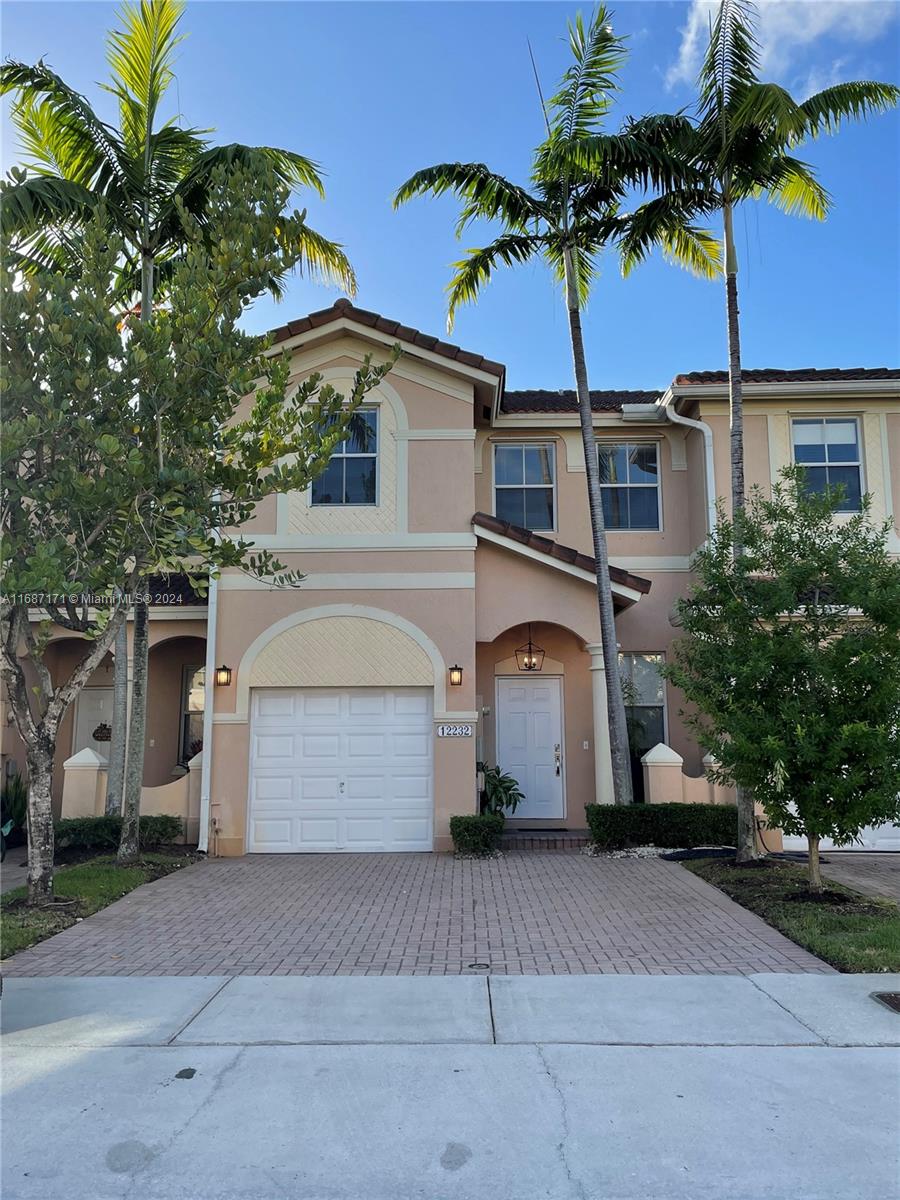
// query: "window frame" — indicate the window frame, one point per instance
point(339, 504)
point(825, 419)
point(660, 657)
point(548, 444)
point(188, 670)
point(629, 442)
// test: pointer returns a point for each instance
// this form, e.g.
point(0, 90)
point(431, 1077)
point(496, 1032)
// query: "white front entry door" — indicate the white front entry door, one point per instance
point(340, 769)
point(529, 742)
point(93, 707)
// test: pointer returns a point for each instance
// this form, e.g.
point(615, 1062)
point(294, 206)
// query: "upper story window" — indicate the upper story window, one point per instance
point(524, 485)
point(351, 476)
point(828, 447)
point(629, 483)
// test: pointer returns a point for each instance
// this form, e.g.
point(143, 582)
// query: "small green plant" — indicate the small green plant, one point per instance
point(102, 833)
point(676, 826)
point(14, 801)
point(477, 833)
point(501, 792)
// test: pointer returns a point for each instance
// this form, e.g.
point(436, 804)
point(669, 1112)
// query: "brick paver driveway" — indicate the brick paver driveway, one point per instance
point(409, 914)
point(876, 874)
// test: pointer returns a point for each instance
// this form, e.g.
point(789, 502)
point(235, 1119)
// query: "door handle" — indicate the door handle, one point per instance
point(557, 756)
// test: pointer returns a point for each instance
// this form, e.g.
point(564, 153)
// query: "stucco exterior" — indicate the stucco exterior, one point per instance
point(427, 576)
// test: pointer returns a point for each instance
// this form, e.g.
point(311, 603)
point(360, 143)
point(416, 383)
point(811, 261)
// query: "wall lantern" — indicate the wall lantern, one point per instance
point(456, 676)
point(223, 676)
point(529, 657)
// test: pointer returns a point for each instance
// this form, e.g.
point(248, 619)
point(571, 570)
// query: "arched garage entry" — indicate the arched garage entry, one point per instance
point(340, 702)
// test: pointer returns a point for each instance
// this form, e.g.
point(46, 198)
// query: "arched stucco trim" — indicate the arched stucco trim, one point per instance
point(245, 670)
point(384, 394)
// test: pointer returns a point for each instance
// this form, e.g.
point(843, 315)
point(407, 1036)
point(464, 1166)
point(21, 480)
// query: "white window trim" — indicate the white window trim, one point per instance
point(665, 692)
point(372, 408)
point(523, 442)
point(608, 441)
point(859, 464)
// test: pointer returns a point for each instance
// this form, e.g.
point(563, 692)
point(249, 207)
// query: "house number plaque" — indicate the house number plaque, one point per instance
point(454, 730)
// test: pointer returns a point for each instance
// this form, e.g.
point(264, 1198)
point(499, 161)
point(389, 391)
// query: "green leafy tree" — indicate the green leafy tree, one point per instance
point(104, 480)
point(569, 217)
point(740, 147)
point(147, 172)
point(792, 659)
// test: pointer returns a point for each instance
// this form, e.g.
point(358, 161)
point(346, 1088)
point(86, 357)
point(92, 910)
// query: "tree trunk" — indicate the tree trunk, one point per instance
point(129, 842)
point(815, 871)
point(39, 759)
point(747, 849)
point(119, 735)
point(618, 728)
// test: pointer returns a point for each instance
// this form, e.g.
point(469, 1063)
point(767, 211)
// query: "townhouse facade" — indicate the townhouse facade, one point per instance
point(448, 613)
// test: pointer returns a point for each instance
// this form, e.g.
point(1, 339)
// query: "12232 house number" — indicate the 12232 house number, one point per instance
point(454, 730)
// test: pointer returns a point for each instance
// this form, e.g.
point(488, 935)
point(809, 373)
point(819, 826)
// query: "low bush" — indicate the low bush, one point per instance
point(478, 833)
point(102, 833)
point(14, 801)
point(676, 826)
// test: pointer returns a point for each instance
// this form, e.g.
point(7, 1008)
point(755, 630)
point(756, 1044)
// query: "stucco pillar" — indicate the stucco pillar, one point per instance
point(603, 776)
point(663, 775)
point(84, 784)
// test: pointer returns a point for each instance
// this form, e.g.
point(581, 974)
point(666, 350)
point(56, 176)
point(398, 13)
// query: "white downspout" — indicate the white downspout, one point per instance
point(209, 704)
point(668, 407)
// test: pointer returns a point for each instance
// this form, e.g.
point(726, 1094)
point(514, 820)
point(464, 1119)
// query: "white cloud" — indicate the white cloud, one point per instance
point(786, 28)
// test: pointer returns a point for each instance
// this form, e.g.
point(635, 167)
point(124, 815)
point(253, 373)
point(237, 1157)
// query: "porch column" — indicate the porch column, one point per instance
point(603, 776)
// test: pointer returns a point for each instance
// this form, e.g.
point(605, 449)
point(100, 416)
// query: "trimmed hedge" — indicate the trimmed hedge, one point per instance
point(676, 826)
point(102, 833)
point(477, 834)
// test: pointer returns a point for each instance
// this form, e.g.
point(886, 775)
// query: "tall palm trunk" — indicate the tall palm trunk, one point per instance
point(618, 729)
point(119, 735)
point(129, 841)
point(746, 815)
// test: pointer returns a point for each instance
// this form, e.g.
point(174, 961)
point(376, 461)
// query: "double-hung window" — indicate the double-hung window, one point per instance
point(828, 449)
point(629, 484)
point(351, 476)
point(524, 485)
point(193, 701)
point(645, 709)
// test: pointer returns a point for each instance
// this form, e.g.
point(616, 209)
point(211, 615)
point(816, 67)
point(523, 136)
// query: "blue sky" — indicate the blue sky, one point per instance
point(374, 91)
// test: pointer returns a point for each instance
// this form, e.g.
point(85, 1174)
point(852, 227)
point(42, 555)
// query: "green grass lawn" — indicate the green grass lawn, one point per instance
point(852, 932)
point(92, 885)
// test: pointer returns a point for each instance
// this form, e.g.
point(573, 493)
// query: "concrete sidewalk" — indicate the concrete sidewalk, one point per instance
point(450, 1088)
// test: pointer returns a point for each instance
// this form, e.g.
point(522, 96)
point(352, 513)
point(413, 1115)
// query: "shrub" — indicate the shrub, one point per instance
point(102, 833)
point(677, 826)
point(14, 801)
point(501, 791)
point(477, 833)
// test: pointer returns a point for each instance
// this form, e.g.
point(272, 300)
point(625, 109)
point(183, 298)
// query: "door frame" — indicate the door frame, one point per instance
point(560, 680)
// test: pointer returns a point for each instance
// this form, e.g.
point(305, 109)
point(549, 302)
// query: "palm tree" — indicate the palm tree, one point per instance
point(568, 218)
point(143, 172)
point(739, 148)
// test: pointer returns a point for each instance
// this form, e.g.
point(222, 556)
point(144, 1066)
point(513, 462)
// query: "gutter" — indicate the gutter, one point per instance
point(667, 404)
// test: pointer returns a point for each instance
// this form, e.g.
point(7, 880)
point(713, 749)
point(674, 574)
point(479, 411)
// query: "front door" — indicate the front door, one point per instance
point(92, 709)
point(529, 742)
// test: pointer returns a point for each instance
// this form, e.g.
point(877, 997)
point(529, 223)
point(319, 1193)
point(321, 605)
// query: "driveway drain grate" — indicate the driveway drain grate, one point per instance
point(890, 1000)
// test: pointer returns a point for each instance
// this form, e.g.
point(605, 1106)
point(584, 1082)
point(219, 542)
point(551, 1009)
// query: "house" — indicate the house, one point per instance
point(447, 549)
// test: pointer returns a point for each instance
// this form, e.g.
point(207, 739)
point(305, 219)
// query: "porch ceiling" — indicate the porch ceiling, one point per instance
point(627, 588)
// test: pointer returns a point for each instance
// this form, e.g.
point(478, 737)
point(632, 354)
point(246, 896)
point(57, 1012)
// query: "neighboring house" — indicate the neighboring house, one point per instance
point(448, 534)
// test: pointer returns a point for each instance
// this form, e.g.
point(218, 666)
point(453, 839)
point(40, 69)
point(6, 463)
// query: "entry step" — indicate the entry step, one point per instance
point(545, 839)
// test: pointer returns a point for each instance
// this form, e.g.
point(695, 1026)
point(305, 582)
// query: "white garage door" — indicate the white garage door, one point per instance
point(873, 837)
point(334, 769)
